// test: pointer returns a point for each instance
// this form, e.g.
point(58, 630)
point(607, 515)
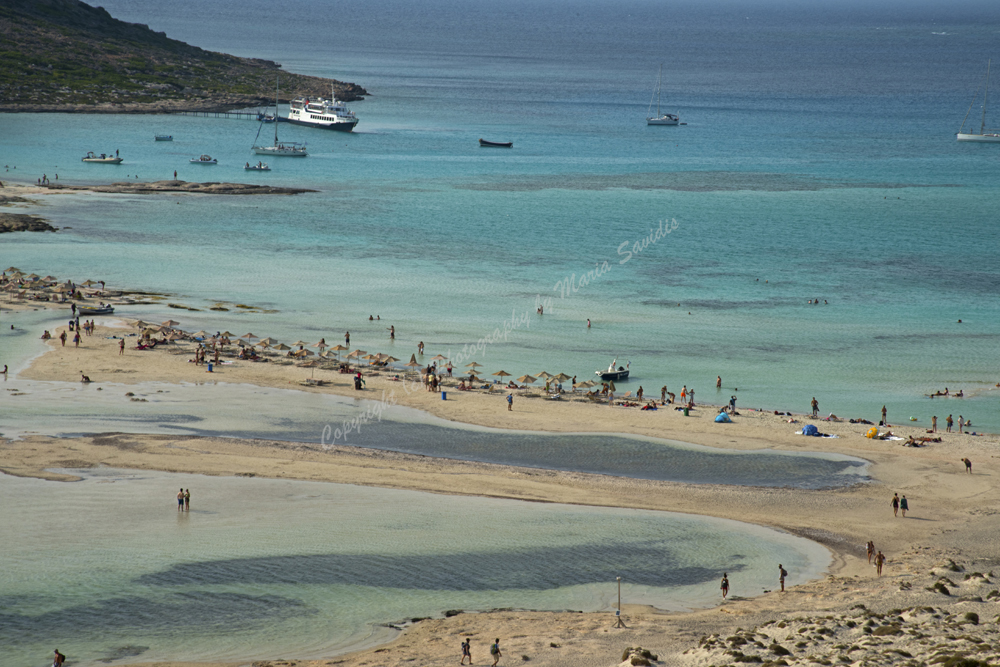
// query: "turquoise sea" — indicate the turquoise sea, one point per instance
point(818, 162)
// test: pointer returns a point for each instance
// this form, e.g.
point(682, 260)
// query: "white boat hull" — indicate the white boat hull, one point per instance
point(663, 121)
point(986, 138)
point(277, 151)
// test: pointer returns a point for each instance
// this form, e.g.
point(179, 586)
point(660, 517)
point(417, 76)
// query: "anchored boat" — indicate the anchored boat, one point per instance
point(102, 159)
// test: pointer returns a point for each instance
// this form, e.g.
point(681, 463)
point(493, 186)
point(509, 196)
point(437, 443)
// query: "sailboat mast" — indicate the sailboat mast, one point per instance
point(659, 82)
point(982, 125)
point(276, 110)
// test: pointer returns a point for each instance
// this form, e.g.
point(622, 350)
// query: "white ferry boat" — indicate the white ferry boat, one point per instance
point(327, 114)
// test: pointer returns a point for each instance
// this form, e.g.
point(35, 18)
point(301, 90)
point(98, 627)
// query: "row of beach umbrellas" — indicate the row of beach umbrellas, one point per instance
point(168, 329)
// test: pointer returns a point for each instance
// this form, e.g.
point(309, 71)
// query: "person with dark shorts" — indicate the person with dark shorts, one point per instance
point(781, 576)
point(895, 504)
point(725, 585)
point(180, 500)
point(187, 499)
point(467, 650)
point(968, 465)
point(58, 660)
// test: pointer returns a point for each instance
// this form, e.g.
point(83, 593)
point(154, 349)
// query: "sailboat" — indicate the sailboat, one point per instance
point(279, 149)
point(660, 119)
point(992, 136)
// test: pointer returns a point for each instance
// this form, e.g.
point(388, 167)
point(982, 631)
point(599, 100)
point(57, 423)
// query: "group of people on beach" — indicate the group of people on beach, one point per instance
point(494, 651)
point(184, 500)
point(876, 558)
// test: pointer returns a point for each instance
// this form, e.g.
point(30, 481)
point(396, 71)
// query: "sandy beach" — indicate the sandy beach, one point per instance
point(948, 519)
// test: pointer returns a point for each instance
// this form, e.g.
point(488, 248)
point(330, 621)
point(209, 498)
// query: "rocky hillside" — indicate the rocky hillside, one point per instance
point(64, 55)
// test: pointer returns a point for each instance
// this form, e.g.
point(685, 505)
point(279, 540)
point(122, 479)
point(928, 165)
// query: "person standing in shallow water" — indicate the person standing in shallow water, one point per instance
point(781, 576)
point(187, 500)
point(180, 500)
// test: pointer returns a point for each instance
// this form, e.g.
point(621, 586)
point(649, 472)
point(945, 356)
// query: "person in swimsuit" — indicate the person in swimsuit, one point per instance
point(180, 500)
point(879, 562)
point(968, 465)
point(725, 585)
point(781, 576)
point(58, 660)
point(895, 504)
point(187, 499)
point(466, 650)
point(871, 551)
point(903, 506)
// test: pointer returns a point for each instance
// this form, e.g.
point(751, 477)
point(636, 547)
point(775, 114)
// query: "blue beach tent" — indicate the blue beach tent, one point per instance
point(809, 429)
point(723, 418)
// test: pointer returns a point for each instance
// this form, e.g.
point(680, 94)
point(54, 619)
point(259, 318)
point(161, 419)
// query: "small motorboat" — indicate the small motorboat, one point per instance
point(204, 159)
point(615, 374)
point(103, 309)
point(260, 166)
point(265, 117)
point(496, 144)
point(103, 158)
point(164, 137)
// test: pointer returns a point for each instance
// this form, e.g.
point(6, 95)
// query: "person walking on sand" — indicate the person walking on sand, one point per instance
point(966, 461)
point(934, 424)
point(62, 337)
point(781, 576)
point(895, 504)
point(466, 650)
point(180, 500)
point(947, 423)
point(725, 585)
point(510, 402)
point(76, 342)
point(884, 422)
point(187, 500)
point(871, 551)
point(495, 652)
point(879, 562)
point(121, 347)
point(903, 506)
point(815, 406)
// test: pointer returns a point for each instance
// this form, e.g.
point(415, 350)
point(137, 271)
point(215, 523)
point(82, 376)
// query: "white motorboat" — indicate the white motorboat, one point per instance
point(984, 135)
point(279, 148)
point(326, 114)
point(204, 159)
point(103, 158)
point(660, 118)
point(260, 166)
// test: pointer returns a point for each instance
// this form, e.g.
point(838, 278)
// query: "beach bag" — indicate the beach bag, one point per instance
point(494, 649)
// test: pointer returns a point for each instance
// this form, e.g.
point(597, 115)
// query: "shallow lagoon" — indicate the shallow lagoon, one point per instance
point(264, 568)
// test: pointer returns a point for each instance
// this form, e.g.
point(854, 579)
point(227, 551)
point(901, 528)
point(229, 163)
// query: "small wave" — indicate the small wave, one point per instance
point(938, 33)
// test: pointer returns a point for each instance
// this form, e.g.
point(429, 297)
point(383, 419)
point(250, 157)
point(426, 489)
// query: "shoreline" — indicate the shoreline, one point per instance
point(839, 519)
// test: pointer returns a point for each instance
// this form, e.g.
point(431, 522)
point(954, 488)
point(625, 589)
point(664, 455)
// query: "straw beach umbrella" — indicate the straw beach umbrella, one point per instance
point(474, 364)
point(502, 374)
point(439, 357)
point(170, 323)
point(527, 379)
point(544, 375)
point(282, 347)
point(248, 336)
point(269, 341)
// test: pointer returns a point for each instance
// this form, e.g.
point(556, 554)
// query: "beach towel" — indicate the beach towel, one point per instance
point(723, 418)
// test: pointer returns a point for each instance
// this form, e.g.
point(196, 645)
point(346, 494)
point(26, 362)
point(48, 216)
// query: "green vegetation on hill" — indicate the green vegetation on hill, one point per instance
point(67, 55)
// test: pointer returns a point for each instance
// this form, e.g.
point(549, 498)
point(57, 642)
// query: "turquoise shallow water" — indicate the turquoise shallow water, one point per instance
point(107, 569)
point(819, 161)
